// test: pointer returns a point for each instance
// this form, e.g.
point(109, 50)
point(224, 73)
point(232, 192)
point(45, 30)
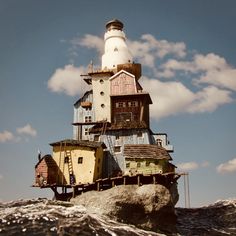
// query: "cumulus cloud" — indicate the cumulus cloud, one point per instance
point(188, 166)
point(173, 97)
point(227, 167)
point(6, 136)
point(67, 80)
point(210, 69)
point(27, 129)
point(148, 49)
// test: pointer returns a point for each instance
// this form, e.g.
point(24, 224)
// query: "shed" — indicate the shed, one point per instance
point(46, 171)
point(146, 159)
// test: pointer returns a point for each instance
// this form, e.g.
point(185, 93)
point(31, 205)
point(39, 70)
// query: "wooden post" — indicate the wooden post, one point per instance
point(113, 183)
point(73, 193)
point(124, 180)
point(138, 180)
point(154, 179)
point(98, 186)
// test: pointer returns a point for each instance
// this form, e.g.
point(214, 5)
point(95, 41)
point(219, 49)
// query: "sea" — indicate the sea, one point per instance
point(49, 217)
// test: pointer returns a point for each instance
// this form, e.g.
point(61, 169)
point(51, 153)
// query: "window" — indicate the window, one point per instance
point(96, 137)
point(133, 104)
point(88, 108)
point(66, 159)
point(101, 81)
point(86, 131)
point(88, 119)
point(156, 162)
point(102, 105)
point(117, 149)
point(140, 134)
point(120, 104)
point(159, 142)
point(102, 93)
point(127, 165)
point(80, 160)
point(139, 164)
point(117, 137)
point(147, 163)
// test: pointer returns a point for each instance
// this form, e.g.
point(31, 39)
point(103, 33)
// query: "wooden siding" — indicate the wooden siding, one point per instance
point(133, 111)
point(46, 172)
point(123, 83)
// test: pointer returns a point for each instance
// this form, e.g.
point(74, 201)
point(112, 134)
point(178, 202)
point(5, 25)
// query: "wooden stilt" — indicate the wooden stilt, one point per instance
point(124, 181)
point(154, 179)
point(138, 180)
point(98, 186)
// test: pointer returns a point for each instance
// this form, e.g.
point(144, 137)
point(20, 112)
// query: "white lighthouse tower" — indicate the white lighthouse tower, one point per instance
point(116, 50)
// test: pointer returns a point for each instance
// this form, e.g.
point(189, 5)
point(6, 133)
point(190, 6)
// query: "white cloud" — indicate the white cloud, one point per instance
point(187, 166)
point(171, 98)
point(227, 167)
point(68, 80)
point(148, 49)
point(27, 129)
point(208, 69)
point(6, 136)
point(209, 99)
point(89, 41)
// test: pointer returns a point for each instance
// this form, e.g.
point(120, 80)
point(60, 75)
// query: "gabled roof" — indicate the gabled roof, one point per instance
point(81, 99)
point(81, 143)
point(120, 72)
point(50, 162)
point(145, 151)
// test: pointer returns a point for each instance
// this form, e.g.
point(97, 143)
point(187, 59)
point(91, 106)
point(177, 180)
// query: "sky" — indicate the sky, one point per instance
point(188, 56)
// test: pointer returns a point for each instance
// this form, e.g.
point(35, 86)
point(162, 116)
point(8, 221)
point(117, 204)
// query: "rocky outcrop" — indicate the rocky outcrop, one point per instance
point(150, 207)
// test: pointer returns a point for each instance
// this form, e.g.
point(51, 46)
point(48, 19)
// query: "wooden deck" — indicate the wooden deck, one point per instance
point(166, 180)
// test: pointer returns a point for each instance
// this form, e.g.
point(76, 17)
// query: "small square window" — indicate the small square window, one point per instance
point(127, 165)
point(96, 138)
point(140, 134)
point(88, 119)
point(139, 164)
point(117, 148)
point(80, 160)
point(86, 131)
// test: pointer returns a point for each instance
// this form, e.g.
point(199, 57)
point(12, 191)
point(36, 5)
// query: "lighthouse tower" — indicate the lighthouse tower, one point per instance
point(116, 50)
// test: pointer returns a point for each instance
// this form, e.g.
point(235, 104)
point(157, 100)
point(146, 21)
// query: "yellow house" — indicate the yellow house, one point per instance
point(79, 162)
point(147, 159)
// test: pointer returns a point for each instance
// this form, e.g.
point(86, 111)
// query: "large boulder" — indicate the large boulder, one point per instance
point(150, 207)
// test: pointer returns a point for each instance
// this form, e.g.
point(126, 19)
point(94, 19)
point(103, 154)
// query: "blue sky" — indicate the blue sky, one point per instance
point(188, 53)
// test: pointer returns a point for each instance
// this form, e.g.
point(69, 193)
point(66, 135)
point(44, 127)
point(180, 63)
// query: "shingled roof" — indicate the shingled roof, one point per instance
point(50, 162)
point(145, 151)
point(82, 143)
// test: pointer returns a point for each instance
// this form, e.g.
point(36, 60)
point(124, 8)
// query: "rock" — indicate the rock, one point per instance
point(150, 207)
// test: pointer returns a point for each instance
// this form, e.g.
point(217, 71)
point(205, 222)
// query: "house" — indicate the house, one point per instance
point(147, 159)
point(111, 126)
point(79, 162)
point(46, 171)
